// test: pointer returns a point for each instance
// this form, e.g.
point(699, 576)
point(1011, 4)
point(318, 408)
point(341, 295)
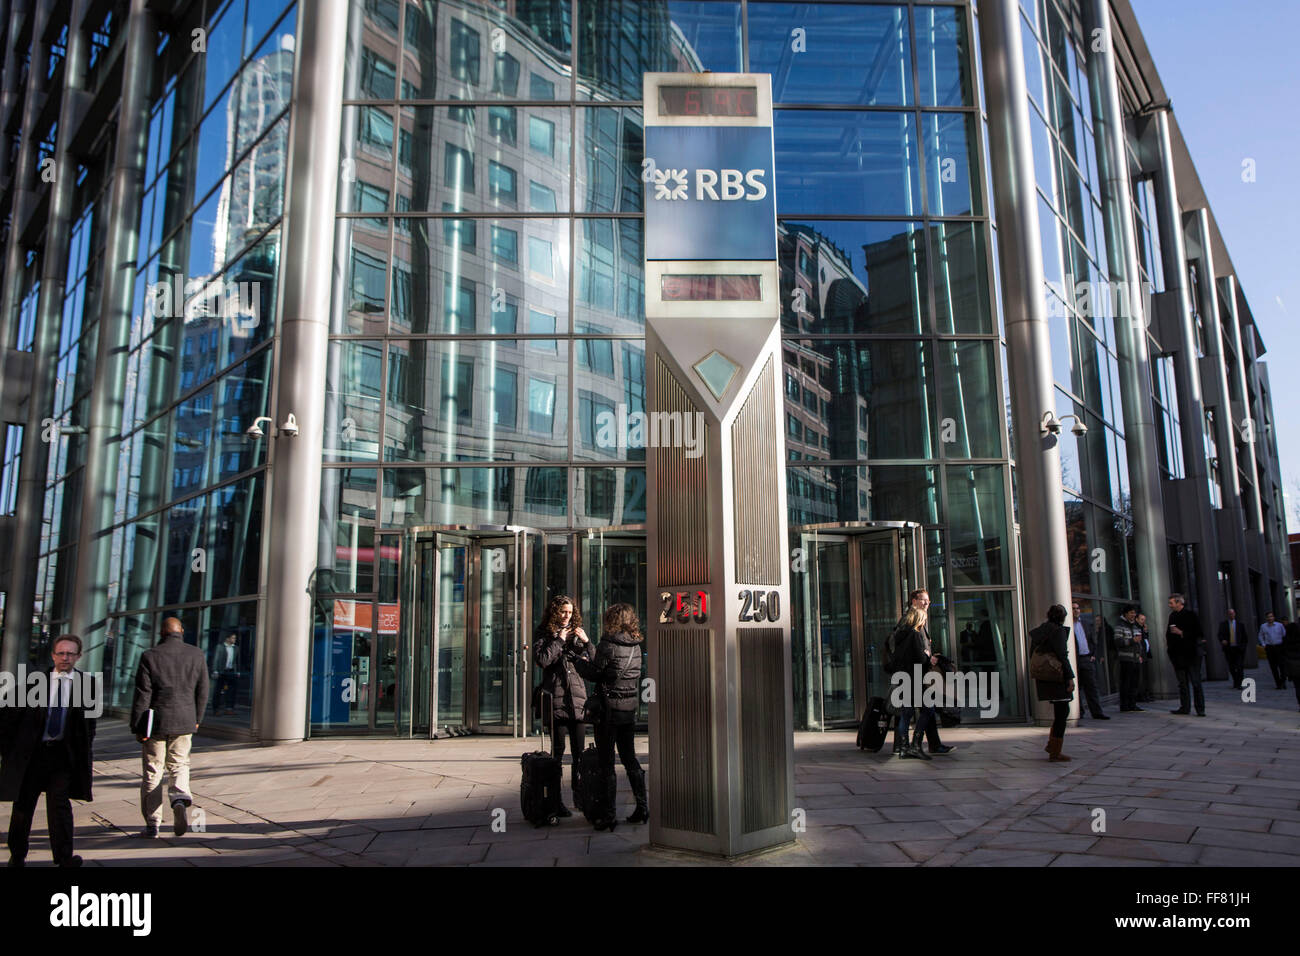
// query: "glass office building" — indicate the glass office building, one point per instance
point(416, 228)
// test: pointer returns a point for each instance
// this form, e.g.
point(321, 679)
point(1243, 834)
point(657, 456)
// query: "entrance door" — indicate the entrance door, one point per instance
point(854, 586)
point(468, 597)
point(612, 570)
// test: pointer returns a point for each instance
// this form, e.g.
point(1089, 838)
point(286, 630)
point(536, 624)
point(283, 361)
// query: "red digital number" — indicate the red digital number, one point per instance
point(692, 102)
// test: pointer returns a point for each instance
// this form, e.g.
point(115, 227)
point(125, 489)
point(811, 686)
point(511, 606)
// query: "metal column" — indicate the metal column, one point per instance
point(49, 313)
point(293, 508)
point(1130, 339)
point(94, 543)
point(1188, 376)
point(1044, 552)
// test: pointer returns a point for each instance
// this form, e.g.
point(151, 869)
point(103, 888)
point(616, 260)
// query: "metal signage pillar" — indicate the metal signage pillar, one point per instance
point(721, 716)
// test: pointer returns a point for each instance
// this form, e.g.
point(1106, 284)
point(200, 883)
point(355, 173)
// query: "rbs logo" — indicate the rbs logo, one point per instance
point(722, 185)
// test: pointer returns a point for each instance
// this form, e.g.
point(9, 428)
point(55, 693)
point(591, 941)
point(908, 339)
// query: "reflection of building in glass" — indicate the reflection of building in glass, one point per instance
point(486, 315)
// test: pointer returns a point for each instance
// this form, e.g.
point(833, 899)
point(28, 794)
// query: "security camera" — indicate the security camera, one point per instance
point(1051, 424)
point(255, 430)
point(1079, 429)
point(290, 426)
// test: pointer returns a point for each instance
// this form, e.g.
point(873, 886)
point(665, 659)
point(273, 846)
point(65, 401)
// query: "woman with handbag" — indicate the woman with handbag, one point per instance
point(558, 644)
point(1049, 666)
point(616, 673)
point(910, 649)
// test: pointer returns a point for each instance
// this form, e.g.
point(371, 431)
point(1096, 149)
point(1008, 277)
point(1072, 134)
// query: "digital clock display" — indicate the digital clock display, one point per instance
point(708, 101)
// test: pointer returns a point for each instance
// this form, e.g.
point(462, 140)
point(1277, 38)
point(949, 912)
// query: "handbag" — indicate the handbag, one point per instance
point(1045, 666)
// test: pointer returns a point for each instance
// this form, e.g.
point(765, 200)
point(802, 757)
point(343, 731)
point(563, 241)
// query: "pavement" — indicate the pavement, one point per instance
point(1223, 790)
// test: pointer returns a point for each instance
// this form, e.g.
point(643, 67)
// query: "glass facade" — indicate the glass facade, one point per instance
point(486, 318)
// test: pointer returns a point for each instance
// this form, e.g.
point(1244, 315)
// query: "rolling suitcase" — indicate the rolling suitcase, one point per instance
point(539, 791)
point(874, 727)
point(592, 794)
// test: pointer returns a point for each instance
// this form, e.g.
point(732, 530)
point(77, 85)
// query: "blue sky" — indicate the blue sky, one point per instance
point(1233, 75)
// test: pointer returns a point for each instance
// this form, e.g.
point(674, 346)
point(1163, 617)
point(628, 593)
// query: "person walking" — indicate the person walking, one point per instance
point(1087, 672)
point(616, 672)
point(48, 750)
point(1049, 638)
point(1291, 654)
point(558, 643)
point(172, 682)
point(1128, 649)
point(1271, 635)
point(1233, 641)
point(1186, 645)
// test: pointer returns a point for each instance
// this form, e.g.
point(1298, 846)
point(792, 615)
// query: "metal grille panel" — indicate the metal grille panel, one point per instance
point(682, 492)
point(762, 727)
point(757, 447)
point(686, 730)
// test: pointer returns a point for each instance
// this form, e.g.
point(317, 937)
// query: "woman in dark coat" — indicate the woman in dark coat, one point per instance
point(1291, 654)
point(910, 648)
point(558, 643)
point(1051, 637)
point(616, 673)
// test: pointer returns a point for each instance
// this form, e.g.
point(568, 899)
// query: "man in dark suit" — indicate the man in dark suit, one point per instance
point(172, 681)
point(1186, 646)
point(1087, 673)
point(1232, 638)
point(48, 750)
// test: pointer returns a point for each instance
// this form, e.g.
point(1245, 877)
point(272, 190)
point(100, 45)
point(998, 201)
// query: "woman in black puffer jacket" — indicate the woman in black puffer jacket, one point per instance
point(558, 644)
point(616, 673)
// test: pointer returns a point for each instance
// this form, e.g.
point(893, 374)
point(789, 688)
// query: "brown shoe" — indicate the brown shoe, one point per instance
point(1054, 750)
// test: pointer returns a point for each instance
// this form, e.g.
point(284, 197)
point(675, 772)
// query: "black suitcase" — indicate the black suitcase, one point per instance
point(592, 795)
point(875, 726)
point(539, 790)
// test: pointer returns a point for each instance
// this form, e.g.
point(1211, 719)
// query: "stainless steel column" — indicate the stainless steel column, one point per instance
point(21, 600)
point(1234, 507)
point(90, 608)
point(1044, 551)
point(23, 172)
point(1130, 340)
point(1173, 249)
point(293, 504)
point(1244, 410)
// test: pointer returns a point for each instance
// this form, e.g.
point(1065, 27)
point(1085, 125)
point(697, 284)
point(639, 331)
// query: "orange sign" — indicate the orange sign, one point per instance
point(359, 616)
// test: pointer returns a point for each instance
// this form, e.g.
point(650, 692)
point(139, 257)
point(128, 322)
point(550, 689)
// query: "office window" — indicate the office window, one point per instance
point(502, 124)
point(504, 391)
point(463, 230)
point(539, 258)
point(541, 406)
point(461, 114)
point(501, 183)
point(458, 305)
point(541, 198)
point(541, 135)
point(457, 390)
point(505, 245)
point(505, 317)
point(541, 323)
point(378, 76)
point(540, 88)
point(458, 169)
point(464, 53)
point(368, 281)
point(505, 75)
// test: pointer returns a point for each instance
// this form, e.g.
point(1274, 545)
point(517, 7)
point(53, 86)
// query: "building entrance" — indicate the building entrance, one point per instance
point(855, 581)
point(469, 598)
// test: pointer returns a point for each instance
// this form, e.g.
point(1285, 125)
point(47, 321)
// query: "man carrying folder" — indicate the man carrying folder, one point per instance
point(171, 691)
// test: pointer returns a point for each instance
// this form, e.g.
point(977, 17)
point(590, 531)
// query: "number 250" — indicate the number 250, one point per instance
point(759, 606)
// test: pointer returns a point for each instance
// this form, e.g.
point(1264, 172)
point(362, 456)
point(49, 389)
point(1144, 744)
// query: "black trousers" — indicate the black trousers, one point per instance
point(609, 736)
point(50, 772)
point(1277, 664)
point(227, 689)
point(1234, 656)
point(1190, 673)
point(1088, 684)
point(575, 730)
point(1130, 674)
point(1060, 713)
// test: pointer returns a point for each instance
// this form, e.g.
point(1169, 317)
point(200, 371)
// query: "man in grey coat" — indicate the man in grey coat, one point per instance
point(172, 682)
